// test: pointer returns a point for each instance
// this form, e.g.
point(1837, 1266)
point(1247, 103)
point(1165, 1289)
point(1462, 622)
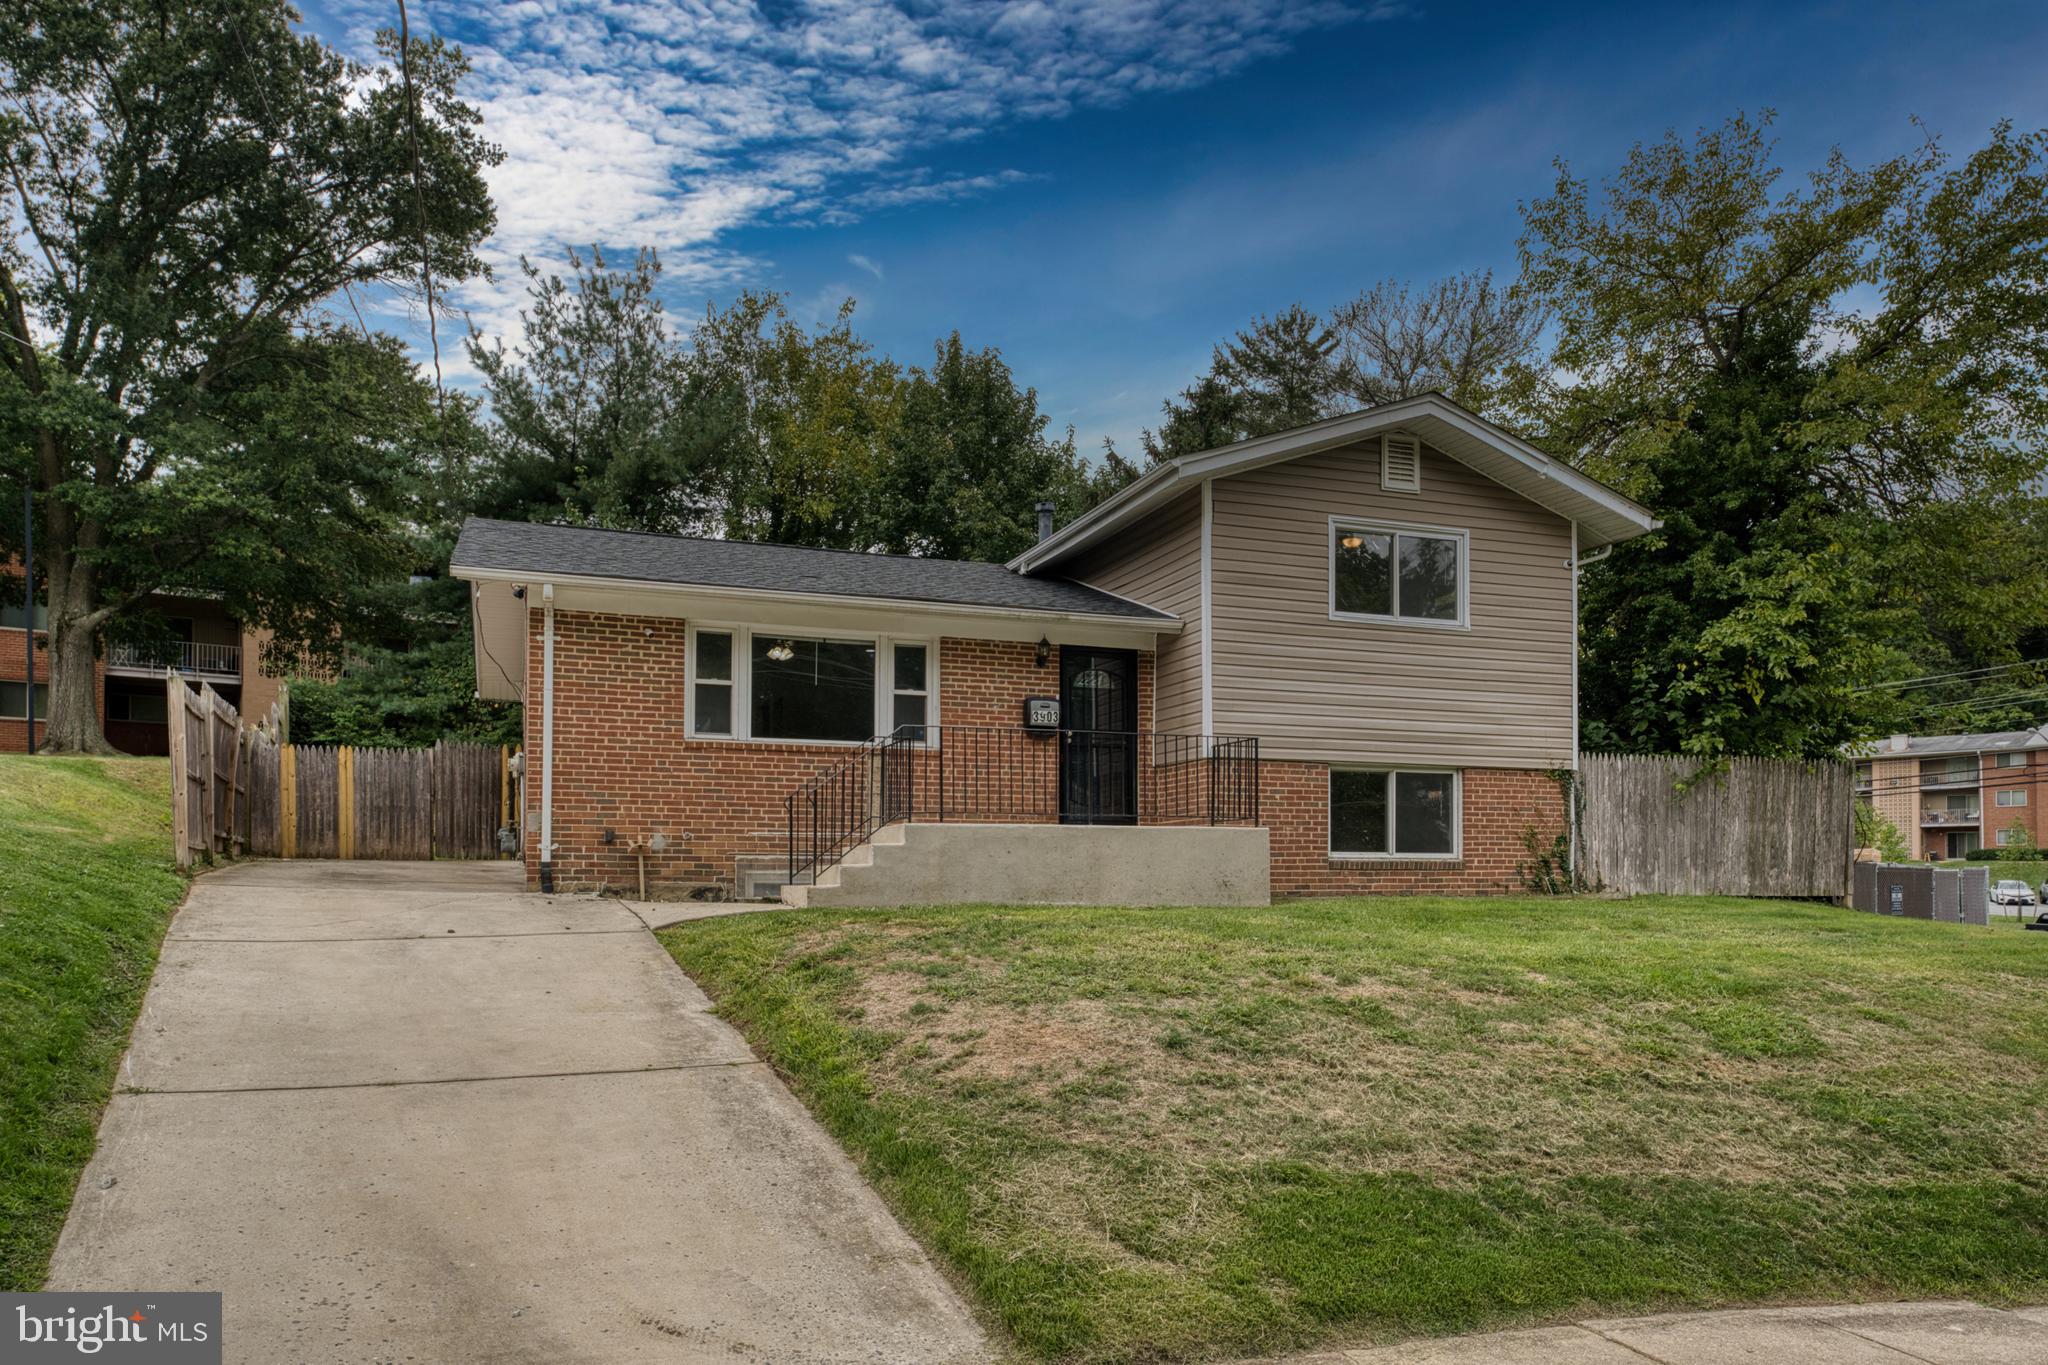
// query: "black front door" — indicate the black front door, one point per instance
point(1098, 736)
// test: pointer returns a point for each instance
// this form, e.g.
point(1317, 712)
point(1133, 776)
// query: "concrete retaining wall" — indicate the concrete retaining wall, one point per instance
point(1052, 865)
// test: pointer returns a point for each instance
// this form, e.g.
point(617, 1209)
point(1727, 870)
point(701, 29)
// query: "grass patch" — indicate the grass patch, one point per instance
point(87, 887)
point(1170, 1134)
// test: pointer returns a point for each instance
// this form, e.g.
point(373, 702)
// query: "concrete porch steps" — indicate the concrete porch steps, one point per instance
point(1046, 864)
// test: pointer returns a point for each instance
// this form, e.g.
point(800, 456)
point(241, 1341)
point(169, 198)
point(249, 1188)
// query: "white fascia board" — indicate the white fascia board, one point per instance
point(635, 597)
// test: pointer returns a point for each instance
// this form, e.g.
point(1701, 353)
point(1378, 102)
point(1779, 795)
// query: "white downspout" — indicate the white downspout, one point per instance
point(1571, 810)
point(547, 739)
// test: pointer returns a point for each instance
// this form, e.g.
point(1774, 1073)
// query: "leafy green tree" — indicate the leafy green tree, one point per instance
point(813, 415)
point(190, 187)
point(1875, 830)
point(1807, 387)
point(599, 418)
point(1278, 373)
point(969, 460)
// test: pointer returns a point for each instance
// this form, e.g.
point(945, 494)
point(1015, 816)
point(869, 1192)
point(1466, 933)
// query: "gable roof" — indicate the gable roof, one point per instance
point(490, 548)
point(1603, 515)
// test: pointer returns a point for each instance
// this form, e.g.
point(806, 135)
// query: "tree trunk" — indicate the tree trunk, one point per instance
point(74, 726)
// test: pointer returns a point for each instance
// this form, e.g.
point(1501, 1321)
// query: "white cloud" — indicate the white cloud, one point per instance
point(863, 263)
point(672, 123)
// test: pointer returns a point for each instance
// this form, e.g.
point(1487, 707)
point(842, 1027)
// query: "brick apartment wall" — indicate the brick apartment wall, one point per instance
point(14, 668)
point(1499, 806)
point(2029, 779)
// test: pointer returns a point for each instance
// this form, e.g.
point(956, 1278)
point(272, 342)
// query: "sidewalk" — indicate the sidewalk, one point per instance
point(1858, 1334)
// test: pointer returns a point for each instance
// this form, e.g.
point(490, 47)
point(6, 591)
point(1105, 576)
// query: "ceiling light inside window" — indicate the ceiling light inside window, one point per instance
point(782, 652)
point(1352, 540)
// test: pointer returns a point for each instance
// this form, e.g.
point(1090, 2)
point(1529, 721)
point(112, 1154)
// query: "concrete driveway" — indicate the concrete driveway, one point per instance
point(403, 1111)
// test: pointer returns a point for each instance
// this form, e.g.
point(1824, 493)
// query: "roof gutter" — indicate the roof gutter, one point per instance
point(1161, 624)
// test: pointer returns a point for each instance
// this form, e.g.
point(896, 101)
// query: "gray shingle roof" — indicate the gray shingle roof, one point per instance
point(1957, 744)
point(525, 547)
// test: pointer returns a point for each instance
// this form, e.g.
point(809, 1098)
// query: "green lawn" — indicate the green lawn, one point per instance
point(1149, 1135)
point(86, 890)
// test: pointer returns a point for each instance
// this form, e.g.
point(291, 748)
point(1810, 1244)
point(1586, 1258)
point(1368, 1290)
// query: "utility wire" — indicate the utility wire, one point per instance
point(1937, 679)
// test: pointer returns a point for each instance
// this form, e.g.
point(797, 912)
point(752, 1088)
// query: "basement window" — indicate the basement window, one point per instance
point(1393, 813)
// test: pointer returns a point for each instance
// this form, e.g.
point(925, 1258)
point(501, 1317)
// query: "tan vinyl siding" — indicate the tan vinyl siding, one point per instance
point(1497, 694)
point(1159, 563)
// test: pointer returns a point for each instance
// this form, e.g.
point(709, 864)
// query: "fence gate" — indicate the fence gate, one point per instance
point(240, 789)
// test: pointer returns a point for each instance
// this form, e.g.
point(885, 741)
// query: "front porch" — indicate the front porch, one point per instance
point(1031, 815)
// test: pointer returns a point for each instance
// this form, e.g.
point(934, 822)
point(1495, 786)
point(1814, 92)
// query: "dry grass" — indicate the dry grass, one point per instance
point(1225, 1123)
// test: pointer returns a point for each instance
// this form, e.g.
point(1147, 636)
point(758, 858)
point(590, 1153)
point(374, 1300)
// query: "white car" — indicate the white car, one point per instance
point(2012, 893)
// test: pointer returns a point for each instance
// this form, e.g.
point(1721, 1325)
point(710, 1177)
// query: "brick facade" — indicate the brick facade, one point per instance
point(2022, 784)
point(14, 668)
point(624, 762)
point(1499, 807)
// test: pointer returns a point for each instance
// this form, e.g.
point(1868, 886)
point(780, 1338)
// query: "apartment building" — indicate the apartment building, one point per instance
point(207, 645)
point(1950, 794)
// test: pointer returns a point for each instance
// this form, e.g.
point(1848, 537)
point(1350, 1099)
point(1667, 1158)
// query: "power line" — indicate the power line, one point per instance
point(1937, 679)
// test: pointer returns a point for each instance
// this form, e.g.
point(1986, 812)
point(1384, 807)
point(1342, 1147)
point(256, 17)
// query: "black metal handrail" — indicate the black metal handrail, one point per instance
point(988, 773)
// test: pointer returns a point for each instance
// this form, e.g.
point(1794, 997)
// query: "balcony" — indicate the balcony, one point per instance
point(1950, 817)
point(1945, 779)
point(197, 658)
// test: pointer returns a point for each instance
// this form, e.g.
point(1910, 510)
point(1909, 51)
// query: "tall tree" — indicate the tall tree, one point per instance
point(1280, 372)
point(189, 186)
point(813, 412)
point(1459, 335)
point(599, 417)
point(969, 459)
point(1812, 389)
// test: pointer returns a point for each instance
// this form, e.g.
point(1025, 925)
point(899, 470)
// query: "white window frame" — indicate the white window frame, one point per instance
point(931, 663)
point(2018, 795)
point(882, 721)
point(2003, 838)
point(1457, 776)
point(1397, 529)
point(2011, 761)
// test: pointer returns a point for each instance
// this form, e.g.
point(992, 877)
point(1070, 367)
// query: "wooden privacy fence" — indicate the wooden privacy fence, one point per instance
point(1759, 827)
point(238, 789)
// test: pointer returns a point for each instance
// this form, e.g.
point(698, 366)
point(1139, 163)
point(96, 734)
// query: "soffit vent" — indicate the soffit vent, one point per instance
point(1400, 463)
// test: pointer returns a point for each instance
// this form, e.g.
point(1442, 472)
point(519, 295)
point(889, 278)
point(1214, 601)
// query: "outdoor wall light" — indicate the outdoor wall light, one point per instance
point(1044, 650)
point(783, 652)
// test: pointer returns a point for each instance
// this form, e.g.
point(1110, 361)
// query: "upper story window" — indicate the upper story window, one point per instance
point(771, 685)
point(1413, 575)
point(14, 615)
point(2012, 760)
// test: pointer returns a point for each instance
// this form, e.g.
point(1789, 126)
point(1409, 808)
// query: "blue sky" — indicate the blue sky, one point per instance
point(1103, 189)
